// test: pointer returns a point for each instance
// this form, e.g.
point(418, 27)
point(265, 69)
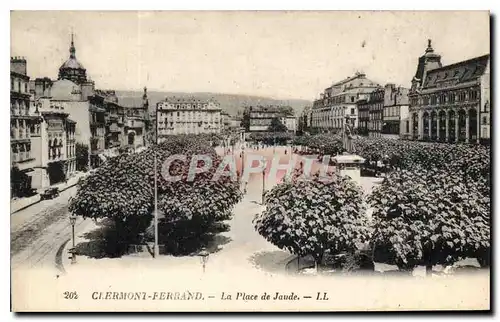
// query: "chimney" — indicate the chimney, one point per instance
point(18, 65)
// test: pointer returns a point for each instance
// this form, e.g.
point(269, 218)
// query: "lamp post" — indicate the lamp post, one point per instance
point(72, 221)
point(203, 258)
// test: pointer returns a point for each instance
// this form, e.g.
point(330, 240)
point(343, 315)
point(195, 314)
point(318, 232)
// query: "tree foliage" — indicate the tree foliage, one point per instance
point(123, 188)
point(428, 217)
point(277, 126)
point(311, 216)
point(82, 157)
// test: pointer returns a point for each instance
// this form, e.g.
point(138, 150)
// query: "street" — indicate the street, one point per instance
point(38, 232)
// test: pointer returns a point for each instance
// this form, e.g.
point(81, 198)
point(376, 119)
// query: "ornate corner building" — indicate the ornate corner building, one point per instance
point(450, 103)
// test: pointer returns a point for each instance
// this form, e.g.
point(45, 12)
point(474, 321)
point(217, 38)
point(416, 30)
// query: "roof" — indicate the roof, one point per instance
point(345, 80)
point(352, 158)
point(461, 72)
point(190, 100)
point(72, 63)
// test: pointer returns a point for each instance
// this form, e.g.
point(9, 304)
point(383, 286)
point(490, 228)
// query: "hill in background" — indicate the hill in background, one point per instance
point(230, 103)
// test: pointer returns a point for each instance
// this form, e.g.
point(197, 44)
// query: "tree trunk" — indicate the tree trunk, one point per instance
point(428, 269)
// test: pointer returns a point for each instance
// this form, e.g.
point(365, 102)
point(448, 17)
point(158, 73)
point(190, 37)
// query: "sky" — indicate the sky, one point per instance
point(275, 54)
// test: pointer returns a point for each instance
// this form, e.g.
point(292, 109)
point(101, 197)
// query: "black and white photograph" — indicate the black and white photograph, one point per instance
point(250, 161)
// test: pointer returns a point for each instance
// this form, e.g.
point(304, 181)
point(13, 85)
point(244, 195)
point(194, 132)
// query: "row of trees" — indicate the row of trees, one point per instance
point(123, 189)
point(432, 208)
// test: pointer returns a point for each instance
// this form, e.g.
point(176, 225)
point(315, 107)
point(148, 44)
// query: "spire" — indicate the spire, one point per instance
point(72, 49)
point(429, 46)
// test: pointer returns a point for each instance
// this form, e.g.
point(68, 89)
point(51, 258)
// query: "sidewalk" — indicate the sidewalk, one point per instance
point(22, 203)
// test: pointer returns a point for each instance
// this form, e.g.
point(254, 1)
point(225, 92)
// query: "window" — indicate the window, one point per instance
point(451, 97)
point(461, 97)
point(12, 84)
point(485, 120)
point(26, 87)
point(352, 99)
point(433, 100)
point(19, 86)
point(352, 111)
point(426, 100)
point(472, 95)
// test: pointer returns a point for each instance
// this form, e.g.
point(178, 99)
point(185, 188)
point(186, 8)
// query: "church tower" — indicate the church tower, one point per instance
point(72, 69)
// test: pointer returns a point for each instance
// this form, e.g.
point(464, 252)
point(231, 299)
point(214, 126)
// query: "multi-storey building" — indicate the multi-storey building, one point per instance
point(187, 116)
point(338, 101)
point(258, 118)
point(115, 119)
point(363, 116)
point(375, 112)
point(395, 109)
point(98, 134)
point(22, 121)
point(54, 144)
point(225, 122)
point(137, 120)
point(450, 103)
point(70, 147)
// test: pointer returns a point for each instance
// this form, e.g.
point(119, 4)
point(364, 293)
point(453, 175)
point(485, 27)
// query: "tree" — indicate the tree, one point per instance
point(82, 157)
point(277, 126)
point(123, 189)
point(56, 172)
point(429, 217)
point(312, 216)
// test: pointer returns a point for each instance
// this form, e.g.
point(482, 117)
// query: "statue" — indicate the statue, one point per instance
point(347, 135)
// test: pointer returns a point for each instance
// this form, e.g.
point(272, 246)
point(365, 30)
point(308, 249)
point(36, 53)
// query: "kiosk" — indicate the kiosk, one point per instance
point(349, 165)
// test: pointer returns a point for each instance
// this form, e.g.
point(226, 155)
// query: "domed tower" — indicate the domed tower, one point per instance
point(72, 69)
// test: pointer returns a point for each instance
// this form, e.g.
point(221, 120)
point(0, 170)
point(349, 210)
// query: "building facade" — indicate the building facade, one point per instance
point(23, 121)
point(375, 112)
point(188, 116)
point(97, 116)
point(338, 101)
point(54, 145)
point(450, 103)
point(258, 118)
point(363, 116)
point(395, 109)
point(137, 127)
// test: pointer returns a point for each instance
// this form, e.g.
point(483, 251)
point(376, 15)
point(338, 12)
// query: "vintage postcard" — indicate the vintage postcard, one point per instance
point(250, 161)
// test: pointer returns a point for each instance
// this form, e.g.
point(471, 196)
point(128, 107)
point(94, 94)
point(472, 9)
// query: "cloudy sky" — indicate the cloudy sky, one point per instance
point(275, 54)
